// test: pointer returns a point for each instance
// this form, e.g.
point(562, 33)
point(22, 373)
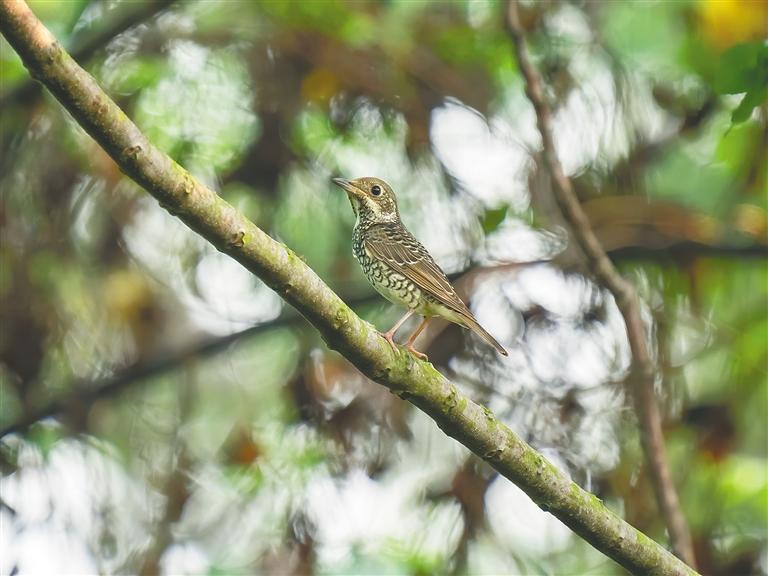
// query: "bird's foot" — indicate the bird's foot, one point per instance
point(419, 355)
point(390, 337)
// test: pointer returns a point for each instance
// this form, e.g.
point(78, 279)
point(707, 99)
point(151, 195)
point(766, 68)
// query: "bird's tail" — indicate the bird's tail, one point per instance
point(474, 325)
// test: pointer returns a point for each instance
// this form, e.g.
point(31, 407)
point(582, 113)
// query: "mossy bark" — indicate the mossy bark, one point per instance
point(205, 212)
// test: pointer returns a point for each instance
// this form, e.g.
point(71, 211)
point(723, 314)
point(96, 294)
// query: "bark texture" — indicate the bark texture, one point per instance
point(643, 374)
point(213, 218)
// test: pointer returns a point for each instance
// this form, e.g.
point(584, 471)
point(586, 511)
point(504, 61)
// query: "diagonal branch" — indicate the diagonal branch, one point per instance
point(88, 41)
point(643, 369)
point(217, 221)
point(83, 394)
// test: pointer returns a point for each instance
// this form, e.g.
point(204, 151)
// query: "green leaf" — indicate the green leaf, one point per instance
point(751, 100)
point(743, 68)
point(493, 218)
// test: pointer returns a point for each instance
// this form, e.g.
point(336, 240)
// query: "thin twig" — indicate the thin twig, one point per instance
point(687, 250)
point(473, 425)
point(84, 393)
point(81, 395)
point(643, 369)
point(86, 42)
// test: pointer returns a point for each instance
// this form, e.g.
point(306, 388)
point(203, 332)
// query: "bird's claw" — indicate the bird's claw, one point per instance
point(390, 337)
point(419, 355)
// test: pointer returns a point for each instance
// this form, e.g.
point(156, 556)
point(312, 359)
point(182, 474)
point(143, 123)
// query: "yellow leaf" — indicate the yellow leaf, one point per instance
point(725, 23)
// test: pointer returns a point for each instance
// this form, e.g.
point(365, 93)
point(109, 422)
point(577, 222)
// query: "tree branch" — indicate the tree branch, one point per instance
point(85, 393)
point(217, 221)
point(87, 42)
point(81, 395)
point(688, 250)
point(643, 369)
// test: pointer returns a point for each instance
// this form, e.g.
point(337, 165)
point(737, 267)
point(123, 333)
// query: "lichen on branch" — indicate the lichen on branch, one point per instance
point(643, 373)
point(217, 221)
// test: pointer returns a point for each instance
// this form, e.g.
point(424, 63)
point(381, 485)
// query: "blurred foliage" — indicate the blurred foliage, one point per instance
point(266, 452)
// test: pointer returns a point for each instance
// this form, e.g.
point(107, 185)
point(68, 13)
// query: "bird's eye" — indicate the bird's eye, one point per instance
point(376, 190)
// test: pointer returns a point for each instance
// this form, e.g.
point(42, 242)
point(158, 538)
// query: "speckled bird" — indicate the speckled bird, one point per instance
point(399, 267)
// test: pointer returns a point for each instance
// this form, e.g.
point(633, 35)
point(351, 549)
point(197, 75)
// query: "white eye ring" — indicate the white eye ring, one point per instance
point(375, 189)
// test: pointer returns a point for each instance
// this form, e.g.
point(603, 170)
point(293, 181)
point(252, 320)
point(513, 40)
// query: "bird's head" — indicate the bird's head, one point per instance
point(372, 199)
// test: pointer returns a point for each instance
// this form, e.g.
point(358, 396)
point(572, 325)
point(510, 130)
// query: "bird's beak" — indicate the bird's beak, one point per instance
point(347, 185)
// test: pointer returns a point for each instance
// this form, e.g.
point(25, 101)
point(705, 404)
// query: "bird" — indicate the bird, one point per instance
point(399, 267)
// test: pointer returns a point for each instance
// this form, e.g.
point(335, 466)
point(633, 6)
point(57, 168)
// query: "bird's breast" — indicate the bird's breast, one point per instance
point(394, 286)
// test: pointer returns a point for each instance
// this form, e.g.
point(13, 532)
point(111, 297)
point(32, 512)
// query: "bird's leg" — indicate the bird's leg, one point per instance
point(412, 339)
point(389, 335)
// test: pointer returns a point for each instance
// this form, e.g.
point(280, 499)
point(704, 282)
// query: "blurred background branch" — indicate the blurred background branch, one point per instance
point(88, 40)
point(213, 218)
point(294, 462)
point(643, 376)
point(81, 395)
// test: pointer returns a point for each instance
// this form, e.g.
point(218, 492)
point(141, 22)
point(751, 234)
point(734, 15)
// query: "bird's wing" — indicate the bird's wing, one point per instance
point(399, 250)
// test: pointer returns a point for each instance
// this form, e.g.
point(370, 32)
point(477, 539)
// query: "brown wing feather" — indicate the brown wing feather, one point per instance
point(405, 255)
point(398, 249)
